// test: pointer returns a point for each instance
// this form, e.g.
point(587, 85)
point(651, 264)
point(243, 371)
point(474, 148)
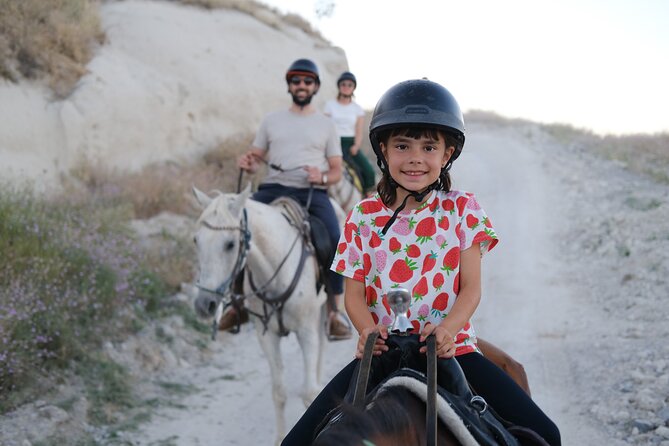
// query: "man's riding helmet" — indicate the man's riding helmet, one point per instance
point(303, 67)
point(417, 103)
point(347, 76)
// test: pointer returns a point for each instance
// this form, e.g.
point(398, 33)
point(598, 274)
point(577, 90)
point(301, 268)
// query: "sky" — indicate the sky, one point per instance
point(601, 65)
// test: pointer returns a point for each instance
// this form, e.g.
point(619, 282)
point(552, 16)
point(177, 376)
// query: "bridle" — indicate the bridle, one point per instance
point(244, 247)
point(271, 305)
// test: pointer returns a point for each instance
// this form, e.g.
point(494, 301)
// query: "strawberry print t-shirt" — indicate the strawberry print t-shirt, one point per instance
point(420, 252)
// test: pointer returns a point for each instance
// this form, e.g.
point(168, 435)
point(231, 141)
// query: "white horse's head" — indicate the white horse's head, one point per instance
point(219, 238)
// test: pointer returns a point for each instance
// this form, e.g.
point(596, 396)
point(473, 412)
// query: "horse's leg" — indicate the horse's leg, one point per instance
point(321, 342)
point(309, 337)
point(270, 344)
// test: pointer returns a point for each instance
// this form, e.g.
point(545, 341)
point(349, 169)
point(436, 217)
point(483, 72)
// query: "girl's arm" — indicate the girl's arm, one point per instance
point(356, 305)
point(470, 290)
point(468, 299)
point(356, 308)
point(357, 138)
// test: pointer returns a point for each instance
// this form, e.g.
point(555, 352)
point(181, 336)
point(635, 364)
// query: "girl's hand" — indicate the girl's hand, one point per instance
point(354, 150)
point(445, 340)
point(380, 345)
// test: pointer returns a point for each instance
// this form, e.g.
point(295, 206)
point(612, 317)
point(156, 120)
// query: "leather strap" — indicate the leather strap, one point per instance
point(431, 400)
point(363, 371)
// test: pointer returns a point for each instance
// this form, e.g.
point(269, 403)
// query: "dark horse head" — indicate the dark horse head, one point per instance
point(396, 417)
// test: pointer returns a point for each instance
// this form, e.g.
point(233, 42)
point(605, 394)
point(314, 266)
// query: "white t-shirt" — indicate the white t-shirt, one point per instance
point(344, 116)
point(293, 141)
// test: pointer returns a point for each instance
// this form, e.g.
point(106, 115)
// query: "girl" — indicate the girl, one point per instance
point(418, 234)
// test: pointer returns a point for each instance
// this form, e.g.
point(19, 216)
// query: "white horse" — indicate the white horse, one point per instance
point(345, 192)
point(234, 231)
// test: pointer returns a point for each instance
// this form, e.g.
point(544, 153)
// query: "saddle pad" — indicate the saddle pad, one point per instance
point(317, 238)
point(444, 410)
point(292, 210)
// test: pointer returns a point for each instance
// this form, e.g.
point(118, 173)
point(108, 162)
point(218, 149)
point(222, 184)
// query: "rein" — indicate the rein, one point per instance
point(244, 246)
point(275, 166)
point(362, 381)
point(271, 304)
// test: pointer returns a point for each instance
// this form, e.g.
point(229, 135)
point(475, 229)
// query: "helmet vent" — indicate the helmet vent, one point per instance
point(417, 111)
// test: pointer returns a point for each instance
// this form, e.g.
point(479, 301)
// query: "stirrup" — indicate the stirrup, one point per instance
point(328, 324)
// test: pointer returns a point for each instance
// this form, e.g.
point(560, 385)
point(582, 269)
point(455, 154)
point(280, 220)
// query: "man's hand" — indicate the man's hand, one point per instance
point(248, 162)
point(314, 175)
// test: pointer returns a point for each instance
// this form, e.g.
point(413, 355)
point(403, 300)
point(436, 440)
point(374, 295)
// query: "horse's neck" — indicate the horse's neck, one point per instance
point(345, 194)
point(271, 240)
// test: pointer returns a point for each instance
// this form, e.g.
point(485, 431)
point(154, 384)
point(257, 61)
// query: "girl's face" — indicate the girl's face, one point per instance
point(346, 88)
point(415, 163)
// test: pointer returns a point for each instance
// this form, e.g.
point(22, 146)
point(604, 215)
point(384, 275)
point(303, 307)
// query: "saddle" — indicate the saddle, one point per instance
point(314, 232)
point(466, 415)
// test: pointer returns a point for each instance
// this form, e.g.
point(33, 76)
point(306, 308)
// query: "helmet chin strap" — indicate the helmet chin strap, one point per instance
point(418, 196)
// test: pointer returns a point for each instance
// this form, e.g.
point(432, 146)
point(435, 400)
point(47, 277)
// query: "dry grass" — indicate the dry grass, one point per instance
point(646, 154)
point(160, 187)
point(55, 39)
point(264, 13)
point(48, 38)
point(640, 153)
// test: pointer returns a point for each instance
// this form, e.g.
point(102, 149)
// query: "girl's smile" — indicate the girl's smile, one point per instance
point(415, 163)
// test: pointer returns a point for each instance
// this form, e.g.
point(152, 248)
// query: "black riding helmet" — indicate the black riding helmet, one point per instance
point(416, 103)
point(303, 67)
point(347, 76)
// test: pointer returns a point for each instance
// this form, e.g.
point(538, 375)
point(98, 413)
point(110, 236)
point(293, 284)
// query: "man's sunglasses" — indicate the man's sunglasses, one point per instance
point(295, 80)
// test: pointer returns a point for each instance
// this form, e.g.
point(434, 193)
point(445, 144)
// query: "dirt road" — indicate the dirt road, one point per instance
point(529, 304)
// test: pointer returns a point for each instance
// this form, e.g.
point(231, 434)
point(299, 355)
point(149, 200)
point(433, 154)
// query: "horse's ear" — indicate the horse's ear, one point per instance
point(238, 204)
point(247, 190)
point(203, 199)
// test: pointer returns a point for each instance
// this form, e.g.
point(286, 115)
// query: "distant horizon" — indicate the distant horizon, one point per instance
point(591, 64)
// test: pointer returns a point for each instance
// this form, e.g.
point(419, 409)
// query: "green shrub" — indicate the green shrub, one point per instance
point(70, 277)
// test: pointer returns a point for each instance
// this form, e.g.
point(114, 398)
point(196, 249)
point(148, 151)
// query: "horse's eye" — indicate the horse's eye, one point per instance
point(195, 240)
point(229, 246)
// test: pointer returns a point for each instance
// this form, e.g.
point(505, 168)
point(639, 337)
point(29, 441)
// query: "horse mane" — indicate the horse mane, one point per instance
point(216, 205)
point(393, 414)
point(395, 417)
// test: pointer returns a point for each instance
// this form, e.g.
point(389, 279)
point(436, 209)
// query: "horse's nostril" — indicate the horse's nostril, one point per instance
point(205, 305)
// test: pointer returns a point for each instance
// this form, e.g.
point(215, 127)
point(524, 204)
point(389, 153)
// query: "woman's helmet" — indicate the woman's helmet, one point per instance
point(417, 103)
point(347, 76)
point(303, 67)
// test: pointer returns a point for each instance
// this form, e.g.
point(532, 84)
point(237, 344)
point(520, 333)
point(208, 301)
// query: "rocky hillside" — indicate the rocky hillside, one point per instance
point(169, 83)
